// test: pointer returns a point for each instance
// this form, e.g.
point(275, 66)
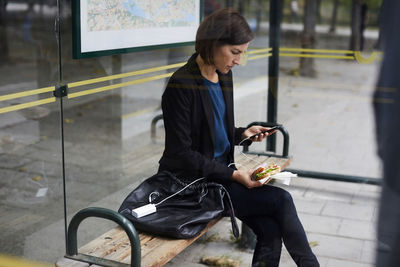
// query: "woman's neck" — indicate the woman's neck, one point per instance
point(207, 71)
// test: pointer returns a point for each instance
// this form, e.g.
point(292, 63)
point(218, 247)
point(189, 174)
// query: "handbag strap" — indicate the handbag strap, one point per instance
point(227, 198)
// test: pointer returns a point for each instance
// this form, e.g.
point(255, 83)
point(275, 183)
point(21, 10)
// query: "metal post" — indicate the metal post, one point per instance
point(275, 15)
point(60, 96)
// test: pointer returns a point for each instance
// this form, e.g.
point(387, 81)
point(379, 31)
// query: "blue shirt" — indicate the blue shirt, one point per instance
point(221, 144)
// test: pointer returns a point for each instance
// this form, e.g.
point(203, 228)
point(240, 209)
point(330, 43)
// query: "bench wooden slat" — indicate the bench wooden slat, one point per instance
point(156, 251)
point(101, 246)
point(169, 248)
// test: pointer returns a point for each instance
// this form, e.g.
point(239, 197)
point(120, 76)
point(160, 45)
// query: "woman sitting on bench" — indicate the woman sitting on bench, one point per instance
point(200, 138)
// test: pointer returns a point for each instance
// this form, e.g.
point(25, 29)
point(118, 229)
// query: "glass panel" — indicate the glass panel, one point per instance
point(109, 145)
point(30, 149)
point(326, 101)
point(108, 142)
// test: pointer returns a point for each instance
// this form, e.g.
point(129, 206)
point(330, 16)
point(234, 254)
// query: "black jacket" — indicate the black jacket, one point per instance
point(189, 125)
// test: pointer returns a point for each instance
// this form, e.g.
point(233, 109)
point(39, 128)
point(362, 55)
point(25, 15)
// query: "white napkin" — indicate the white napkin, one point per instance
point(281, 177)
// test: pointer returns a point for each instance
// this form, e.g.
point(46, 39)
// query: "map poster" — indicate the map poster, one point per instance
point(106, 27)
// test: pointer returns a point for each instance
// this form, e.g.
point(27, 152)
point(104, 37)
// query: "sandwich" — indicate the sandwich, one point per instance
point(263, 173)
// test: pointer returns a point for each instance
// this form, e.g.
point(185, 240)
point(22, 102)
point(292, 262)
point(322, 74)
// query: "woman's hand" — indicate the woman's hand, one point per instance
point(244, 178)
point(256, 129)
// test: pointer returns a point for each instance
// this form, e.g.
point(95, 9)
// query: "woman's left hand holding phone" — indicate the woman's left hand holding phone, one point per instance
point(257, 133)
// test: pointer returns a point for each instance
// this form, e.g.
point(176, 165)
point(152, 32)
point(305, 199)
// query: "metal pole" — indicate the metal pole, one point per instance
point(58, 37)
point(275, 15)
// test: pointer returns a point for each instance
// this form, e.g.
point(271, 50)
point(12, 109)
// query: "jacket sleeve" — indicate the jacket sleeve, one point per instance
point(239, 139)
point(177, 101)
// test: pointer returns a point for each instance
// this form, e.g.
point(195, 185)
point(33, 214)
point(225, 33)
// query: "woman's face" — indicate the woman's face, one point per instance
point(227, 56)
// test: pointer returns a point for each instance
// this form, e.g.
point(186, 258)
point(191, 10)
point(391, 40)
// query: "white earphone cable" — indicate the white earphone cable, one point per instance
point(241, 152)
point(195, 181)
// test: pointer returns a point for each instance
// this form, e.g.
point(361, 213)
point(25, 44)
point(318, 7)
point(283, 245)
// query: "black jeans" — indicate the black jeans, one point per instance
point(270, 212)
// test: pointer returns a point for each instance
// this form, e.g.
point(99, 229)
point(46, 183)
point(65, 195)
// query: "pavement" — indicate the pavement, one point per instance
point(339, 219)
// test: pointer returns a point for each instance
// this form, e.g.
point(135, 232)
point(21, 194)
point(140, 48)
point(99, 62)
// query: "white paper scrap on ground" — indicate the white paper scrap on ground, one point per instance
point(41, 192)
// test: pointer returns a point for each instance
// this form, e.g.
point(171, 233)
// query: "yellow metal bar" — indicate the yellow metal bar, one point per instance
point(27, 93)
point(314, 56)
point(284, 49)
point(27, 105)
point(259, 51)
point(124, 75)
point(357, 56)
point(366, 60)
point(8, 261)
point(260, 56)
point(114, 86)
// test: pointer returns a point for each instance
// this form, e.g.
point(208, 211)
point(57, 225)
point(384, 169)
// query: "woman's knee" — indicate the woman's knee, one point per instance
point(285, 198)
point(283, 194)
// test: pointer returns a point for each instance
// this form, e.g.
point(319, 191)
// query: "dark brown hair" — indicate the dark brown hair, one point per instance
point(223, 27)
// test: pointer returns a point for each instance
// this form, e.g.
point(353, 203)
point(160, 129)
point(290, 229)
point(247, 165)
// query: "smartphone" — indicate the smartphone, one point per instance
point(267, 131)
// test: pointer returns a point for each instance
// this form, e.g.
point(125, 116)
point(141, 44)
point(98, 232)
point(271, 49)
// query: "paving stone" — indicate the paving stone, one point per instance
point(190, 256)
point(375, 216)
point(222, 230)
point(337, 247)
point(320, 224)
point(50, 144)
point(304, 205)
point(228, 249)
point(329, 184)
point(358, 229)
point(370, 188)
point(295, 188)
point(16, 149)
point(366, 197)
point(184, 263)
point(286, 259)
point(13, 162)
point(329, 194)
point(349, 211)
point(323, 261)
point(48, 156)
point(343, 263)
point(43, 167)
point(11, 118)
point(369, 251)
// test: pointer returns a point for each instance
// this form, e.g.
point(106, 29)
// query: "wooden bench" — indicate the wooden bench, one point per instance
point(114, 247)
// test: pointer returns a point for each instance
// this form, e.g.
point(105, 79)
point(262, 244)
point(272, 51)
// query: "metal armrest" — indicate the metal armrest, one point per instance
point(285, 133)
point(72, 248)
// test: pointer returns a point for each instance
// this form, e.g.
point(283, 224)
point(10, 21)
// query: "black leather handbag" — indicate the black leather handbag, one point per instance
point(183, 215)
